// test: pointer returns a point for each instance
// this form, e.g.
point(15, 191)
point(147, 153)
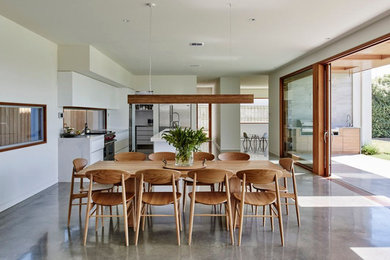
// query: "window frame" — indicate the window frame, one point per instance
point(87, 108)
point(23, 145)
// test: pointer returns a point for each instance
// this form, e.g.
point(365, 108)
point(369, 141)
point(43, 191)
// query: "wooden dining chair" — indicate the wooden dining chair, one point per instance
point(201, 156)
point(234, 156)
point(268, 198)
point(161, 156)
point(78, 165)
point(101, 199)
point(130, 156)
point(198, 156)
point(288, 173)
point(212, 198)
point(157, 176)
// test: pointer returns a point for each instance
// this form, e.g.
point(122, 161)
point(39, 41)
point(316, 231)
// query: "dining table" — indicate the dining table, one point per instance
point(132, 167)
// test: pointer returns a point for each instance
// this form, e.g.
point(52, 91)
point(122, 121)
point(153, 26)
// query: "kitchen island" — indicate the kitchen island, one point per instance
point(159, 144)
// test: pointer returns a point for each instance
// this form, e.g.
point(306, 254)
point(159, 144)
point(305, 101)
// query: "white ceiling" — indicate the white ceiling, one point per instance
point(283, 30)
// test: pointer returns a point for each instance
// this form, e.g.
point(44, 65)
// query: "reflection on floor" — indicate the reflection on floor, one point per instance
point(36, 229)
point(364, 172)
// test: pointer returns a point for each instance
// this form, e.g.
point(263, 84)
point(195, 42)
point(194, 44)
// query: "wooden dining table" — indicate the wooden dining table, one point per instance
point(133, 166)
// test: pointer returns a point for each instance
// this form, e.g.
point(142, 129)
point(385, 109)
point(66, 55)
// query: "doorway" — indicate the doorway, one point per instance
point(358, 114)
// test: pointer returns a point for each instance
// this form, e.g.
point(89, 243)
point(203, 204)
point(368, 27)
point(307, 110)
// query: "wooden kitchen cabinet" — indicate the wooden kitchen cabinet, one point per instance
point(347, 141)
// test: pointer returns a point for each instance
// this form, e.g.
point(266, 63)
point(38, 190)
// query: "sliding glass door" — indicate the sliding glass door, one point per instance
point(297, 118)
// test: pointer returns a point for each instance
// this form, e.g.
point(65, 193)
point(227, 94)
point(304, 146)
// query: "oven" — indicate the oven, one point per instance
point(109, 146)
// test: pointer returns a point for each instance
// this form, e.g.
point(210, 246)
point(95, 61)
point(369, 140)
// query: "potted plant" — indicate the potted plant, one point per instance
point(186, 141)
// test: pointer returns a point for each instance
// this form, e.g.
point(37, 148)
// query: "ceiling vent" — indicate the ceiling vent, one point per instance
point(197, 44)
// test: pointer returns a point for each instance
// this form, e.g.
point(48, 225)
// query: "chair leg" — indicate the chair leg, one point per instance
point(235, 215)
point(192, 208)
point(226, 218)
point(230, 221)
point(297, 211)
point(70, 208)
point(279, 209)
point(184, 195)
point(96, 217)
point(264, 212)
point(102, 213)
point(125, 222)
point(134, 215)
point(144, 212)
point(241, 222)
point(87, 221)
point(272, 218)
point(176, 206)
point(286, 201)
point(179, 214)
point(139, 207)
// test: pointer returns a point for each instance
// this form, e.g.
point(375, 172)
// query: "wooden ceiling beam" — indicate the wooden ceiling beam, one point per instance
point(191, 99)
point(367, 57)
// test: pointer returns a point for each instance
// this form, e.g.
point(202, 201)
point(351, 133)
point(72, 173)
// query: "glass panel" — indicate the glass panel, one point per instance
point(298, 117)
point(174, 115)
point(76, 118)
point(203, 118)
point(21, 125)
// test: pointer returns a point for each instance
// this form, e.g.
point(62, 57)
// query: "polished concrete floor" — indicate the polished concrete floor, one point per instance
point(336, 224)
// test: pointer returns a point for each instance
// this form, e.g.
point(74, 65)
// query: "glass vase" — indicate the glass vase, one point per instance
point(184, 158)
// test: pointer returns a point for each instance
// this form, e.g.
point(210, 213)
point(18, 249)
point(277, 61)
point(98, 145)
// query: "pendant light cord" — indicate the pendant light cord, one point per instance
point(230, 34)
point(150, 45)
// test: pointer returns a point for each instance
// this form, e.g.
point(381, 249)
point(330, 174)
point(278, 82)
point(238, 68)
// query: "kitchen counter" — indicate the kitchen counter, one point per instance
point(159, 144)
point(89, 147)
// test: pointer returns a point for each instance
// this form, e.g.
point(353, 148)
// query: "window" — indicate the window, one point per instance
point(21, 125)
point(77, 117)
point(256, 112)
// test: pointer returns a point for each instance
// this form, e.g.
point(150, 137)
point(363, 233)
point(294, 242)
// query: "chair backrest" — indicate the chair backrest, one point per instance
point(210, 176)
point(157, 176)
point(259, 176)
point(130, 156)
point(287, 163)
point(79, 164)
point(160, 156)
point(200, 156)
point(234, 156)
point(106, 176)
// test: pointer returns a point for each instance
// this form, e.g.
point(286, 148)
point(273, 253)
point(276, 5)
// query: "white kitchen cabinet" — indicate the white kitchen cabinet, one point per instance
point(88, 147)
point(78, 90)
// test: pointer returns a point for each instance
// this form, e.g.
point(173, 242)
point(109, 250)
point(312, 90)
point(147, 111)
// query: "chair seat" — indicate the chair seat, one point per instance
point(110, 198)
point(257, 198)
point(159, 198)
point(97, 187)
point(269, 187)
point(209, 198)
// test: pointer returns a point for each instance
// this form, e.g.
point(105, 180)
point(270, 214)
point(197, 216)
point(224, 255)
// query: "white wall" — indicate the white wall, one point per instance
point(28, 74)
point(230, 115)
point(366, 34)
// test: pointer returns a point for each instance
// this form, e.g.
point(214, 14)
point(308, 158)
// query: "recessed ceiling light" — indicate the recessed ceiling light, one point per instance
point(197, 44)
point(252, 19)
point(125, 20)
point(194, 65)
